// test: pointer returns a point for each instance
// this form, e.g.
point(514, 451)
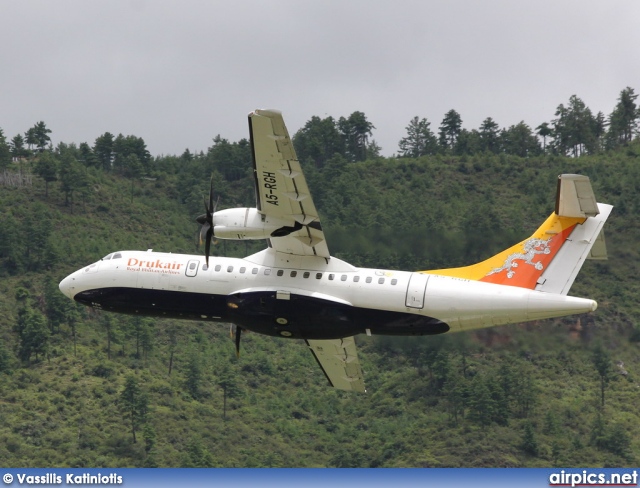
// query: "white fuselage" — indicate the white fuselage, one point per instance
point(294, 296)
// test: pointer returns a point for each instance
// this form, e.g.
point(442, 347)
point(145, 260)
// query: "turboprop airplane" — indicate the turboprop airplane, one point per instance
point(295, 289)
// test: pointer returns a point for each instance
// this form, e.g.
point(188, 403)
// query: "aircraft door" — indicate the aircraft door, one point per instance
point(416, 290)
point(192, 268)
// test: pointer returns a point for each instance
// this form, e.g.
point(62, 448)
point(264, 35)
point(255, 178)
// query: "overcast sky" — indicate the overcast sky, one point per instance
point(176, 73)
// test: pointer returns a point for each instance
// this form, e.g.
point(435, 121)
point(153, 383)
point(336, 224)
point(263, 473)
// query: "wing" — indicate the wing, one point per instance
point(281, 190)
point(338, 359)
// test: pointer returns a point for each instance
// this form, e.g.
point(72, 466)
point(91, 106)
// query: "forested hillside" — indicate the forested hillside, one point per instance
point(80, 387)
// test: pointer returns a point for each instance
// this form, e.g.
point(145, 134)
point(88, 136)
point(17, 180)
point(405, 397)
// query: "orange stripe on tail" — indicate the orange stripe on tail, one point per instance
point(520, 265)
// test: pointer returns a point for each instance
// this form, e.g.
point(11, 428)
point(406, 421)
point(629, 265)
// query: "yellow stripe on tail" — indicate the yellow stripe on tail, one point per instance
point(523, 264)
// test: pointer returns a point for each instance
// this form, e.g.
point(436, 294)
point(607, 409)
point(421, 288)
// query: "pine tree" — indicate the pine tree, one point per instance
point(603, 365)
point(419, 140)
point(134, 405)
point(450, 129)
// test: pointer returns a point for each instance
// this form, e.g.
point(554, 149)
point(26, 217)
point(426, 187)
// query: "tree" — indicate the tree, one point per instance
point(529, 440)
point(5, 151)
point(574, 128)
point(490, 135)
point(419, 140)
point(17, 147)
point(230, 159)
point(318, 141)
point(356, 131)
point(30, 138)
point(42, 135)
point(172, 332)
point(33, 333)
point(519, 140)
point(602, 362)
point(450, 129)
point(5, 359)
point(468, 142)
point(73, 177)
point(123, 149)
point(194, 375)
point(103, 151)
point(227, 381)
point(86, 156)
point(623, 121)
point(482, 406)
point(56, 305)
point(544, 131)
point(47, 169)
point(134, 404)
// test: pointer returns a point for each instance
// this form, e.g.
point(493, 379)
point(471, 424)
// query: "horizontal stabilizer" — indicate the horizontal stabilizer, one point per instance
point(575, 197)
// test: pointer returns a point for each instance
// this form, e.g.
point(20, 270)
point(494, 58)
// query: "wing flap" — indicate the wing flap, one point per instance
point(338, 358)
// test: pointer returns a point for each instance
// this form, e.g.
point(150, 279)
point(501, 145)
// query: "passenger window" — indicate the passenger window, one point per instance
point(356, 279)
point(318, 276)
point(218, 267)
point(368, 280)
point(107, 257)
point(394, 281)
point(193, 265)
point(280, 272)
point(229, 269)
point(204, 266)
point(267, 271)
point(306, 274)
point(380, 281)
point(294, 274)
point(343, 278)
point(331, 276)
point(117, 256)
point(254, 271)
point(242, 270)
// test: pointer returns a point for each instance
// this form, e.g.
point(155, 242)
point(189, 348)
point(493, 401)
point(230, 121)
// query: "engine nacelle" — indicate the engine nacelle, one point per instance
point(248, 223)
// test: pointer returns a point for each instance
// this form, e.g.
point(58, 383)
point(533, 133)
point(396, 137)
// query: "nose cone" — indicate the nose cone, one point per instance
point(67, 286)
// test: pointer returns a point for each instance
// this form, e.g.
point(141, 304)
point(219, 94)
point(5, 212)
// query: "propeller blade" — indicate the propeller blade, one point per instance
point(206, 221)
point(211, 208)
point(207, 244)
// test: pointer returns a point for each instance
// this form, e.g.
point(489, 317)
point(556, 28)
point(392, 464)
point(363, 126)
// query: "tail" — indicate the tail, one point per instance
point(551, 258)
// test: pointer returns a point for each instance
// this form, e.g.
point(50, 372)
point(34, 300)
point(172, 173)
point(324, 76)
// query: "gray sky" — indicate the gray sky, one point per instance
point(177, 73)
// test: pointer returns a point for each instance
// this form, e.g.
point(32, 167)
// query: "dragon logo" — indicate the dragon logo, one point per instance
point(531, 247)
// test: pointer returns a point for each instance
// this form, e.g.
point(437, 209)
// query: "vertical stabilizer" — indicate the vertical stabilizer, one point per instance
point(551, 258)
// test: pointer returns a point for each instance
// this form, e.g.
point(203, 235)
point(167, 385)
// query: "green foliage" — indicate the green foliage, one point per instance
point(419, 140)
point(602, 363)
point(134, 404)
point(5, 151)
point(33, 334)
point(529, 440)
point(450, 129)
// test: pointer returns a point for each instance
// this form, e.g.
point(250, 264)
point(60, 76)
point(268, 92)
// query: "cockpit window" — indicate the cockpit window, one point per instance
point(117, 256)
point(107, 257)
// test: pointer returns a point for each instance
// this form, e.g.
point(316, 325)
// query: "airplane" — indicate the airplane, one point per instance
point(295, 289)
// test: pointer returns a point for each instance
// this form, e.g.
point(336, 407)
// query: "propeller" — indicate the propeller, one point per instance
point(206, 221)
